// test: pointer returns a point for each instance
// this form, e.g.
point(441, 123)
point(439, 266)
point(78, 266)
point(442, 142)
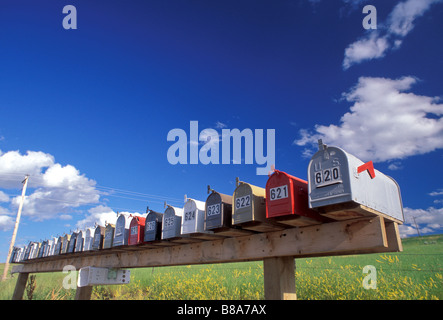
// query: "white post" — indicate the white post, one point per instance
point(14, 234)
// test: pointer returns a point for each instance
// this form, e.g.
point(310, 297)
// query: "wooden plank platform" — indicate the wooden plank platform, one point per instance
point(277, 249)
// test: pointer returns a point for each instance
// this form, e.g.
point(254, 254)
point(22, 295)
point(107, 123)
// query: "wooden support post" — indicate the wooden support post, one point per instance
point(279, 278)
point(20, 286)
point(83, 293)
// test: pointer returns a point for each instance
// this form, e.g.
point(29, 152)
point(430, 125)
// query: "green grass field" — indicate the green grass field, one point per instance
point(415, 273)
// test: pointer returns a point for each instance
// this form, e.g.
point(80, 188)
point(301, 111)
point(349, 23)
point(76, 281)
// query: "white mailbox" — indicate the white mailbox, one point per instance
point(53, 246)
point(193, 216)
point(92, 276)
point(89, 239)
point(341, 187)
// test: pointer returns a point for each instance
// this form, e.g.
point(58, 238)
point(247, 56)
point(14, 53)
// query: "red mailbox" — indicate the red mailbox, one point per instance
point(136, 230)
point(287, 201)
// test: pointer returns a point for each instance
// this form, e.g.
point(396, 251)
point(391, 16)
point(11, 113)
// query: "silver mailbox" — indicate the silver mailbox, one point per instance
point(42, 249)
point(14, 254)
point(337, 189)
point(109, 236)
point(58, 246)
point(153, 226)
point(65, 244)
point(121, 232)
point(80, 241)
point(89, 239)
point(72, 242)
point(171, 224)
point(99, 233)
point(53, 246)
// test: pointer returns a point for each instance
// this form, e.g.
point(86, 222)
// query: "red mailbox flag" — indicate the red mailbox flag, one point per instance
point(367, 166)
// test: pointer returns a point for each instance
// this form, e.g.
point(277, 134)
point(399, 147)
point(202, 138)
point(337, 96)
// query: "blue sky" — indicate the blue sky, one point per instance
point(86, 111)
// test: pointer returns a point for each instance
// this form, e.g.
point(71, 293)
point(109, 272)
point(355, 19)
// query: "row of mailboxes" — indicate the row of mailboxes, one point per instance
point(338, 187)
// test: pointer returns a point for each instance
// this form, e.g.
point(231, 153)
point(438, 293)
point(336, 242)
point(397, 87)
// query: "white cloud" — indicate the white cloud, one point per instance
point(6, 222)
point(401, 19)
point(53, 189)
point(439, 192)
point(399, 23)
point(3, 197)
point(428, 221)
point(384, 123)
point(365, 49)
point(395, 166)
point(13, 167)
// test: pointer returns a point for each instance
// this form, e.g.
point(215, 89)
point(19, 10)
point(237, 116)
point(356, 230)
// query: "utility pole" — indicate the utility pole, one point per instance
point(416, 227)
point(14, 233)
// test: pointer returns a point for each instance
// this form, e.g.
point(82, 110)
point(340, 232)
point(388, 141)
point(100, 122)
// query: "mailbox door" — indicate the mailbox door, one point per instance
point(153, 226)
point(121, 230)
point(249, 204)
point(58, 247)
point(41, 249)
point(80, 241)
point(193, 216)
point(72, 242)
point(214, 207)
point(329, 178)
point(189, 220)
point(218, 211)
point(97, 242)
point(172, 220)
point(89, 239)
point(109, 236)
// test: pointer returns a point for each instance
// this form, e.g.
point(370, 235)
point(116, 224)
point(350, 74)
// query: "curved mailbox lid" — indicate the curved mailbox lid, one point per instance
point(193, 219)
point(153, 226)
point(248, 203)
point(218, 210)
point(333, 179)
point(288, 196)
point(136, 230)
point(171, 224)
point(97, 241)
